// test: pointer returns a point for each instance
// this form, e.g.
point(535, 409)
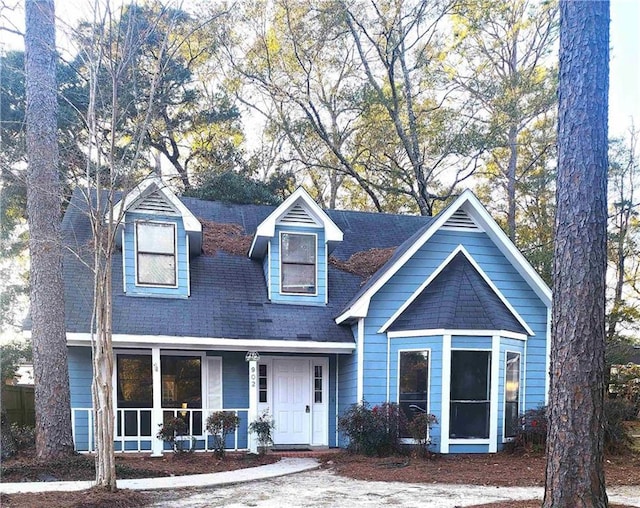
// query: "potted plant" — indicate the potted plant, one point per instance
point(262, 428)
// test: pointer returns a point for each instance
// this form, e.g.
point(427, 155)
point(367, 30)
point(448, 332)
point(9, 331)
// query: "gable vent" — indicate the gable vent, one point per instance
point(461, 220)
point(297, 215)
point(156, 202)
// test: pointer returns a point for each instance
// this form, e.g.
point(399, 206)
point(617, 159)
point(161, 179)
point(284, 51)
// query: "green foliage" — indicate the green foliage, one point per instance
point(616, 438)
point(625, 384)
point(234, 187)
point(11, 355)
point(24, 436)
point(263, 429)
point(220, 424)
point(373, 431)
point(174, 432)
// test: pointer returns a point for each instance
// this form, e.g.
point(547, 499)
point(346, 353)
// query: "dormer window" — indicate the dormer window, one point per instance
point(298, 263)
point(155, 253)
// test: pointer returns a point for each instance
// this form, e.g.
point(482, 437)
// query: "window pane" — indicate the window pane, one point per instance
point(154, 237)
point(298, 278)
point(181, 381)
point(135, 384)
point(511, 394)
point(413, 383)
point(156, 269)
point(469, 420)
point(298, 248)
point(512, 385)
point(470, 375)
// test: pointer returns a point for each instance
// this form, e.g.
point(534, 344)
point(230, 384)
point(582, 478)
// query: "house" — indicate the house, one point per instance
point(303, 312)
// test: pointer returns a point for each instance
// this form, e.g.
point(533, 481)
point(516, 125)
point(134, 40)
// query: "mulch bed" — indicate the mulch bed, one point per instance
point(502, 469)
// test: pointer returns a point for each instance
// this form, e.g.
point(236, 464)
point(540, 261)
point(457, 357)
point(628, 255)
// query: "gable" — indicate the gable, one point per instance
point(155, 202)
point(478, 217)
point(458, 298)
point(297, 210)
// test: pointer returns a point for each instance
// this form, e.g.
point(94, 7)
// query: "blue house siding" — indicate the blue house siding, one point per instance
point(80, 379)
point(321, 268)
point(129, 253)
point(408, 279)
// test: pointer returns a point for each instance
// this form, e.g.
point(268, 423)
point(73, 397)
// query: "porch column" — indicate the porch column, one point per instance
point(156, 412)
point(252, 358)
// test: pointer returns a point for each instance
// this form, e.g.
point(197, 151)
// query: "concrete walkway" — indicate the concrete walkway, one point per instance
point(283, 467)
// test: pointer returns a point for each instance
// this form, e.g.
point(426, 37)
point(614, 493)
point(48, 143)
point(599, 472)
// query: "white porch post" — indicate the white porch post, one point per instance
point(252, 358)
point(156, 412)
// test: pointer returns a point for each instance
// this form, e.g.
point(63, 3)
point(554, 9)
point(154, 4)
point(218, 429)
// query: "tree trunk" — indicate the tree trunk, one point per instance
point(52, 401)
point(574, 474)
point(511, 182)
point(103, 371)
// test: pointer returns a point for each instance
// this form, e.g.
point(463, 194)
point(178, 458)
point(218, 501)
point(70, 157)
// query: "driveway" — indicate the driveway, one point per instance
point(322, 488)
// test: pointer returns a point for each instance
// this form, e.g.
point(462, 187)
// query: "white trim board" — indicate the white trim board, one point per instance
point(218, 343)
point(468, 202)
point(442, 331)
point(459, 249)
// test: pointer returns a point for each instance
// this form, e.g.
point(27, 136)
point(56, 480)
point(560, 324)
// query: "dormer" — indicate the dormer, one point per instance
point(294, 243)
point(158, 236)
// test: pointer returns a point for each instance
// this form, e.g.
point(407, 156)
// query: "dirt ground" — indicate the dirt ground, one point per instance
point(502, 470)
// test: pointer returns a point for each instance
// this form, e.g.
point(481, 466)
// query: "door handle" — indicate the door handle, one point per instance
point(307, 409)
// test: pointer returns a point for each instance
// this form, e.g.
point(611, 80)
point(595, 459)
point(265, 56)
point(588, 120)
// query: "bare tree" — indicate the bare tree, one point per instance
point(44, 199)
point(574, 473)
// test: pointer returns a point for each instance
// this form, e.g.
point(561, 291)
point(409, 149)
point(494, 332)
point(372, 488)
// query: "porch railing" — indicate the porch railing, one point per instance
point(135, 432)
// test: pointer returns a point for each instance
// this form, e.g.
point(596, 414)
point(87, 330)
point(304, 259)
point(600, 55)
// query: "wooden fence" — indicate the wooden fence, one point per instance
point(19, 403)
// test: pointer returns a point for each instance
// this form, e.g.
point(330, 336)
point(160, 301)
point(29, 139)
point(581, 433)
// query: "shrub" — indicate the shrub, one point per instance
point(220, 424)
point(263, 428)
point(419, 429)
point(174, 432)
point(373, 431)
point(24, 436)
point(532, 431)
point(616, 437)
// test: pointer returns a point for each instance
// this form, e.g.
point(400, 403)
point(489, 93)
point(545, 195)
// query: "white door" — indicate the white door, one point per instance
point(292, 401)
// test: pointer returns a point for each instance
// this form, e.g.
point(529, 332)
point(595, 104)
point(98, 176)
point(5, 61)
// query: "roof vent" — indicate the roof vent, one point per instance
point(461, 220)
point(156, 202)
point(297, 214)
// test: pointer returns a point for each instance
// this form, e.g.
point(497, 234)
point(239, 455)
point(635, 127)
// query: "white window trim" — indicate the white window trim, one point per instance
point(408, 440)
point(135, 254)
point(506, 439)
point(288, 293)
point(493, 403)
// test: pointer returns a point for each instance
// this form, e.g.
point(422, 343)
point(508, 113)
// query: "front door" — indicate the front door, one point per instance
point(292, 401)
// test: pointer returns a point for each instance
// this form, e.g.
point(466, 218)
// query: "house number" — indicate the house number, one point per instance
point(253, 377)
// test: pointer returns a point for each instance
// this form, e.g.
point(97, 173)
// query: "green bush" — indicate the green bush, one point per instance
point(532, 431)
point(174, 432)
point(373, 431)
point(220, 424)
point(616, 438)
point(24, 436)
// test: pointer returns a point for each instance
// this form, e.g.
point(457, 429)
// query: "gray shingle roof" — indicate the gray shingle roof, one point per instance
point(228, 293)
point(458, 298)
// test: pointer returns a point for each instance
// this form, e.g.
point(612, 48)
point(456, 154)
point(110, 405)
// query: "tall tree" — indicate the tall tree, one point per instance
point(624, 249)
point(574, 473)
point(500, 57)
point(52, 399)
